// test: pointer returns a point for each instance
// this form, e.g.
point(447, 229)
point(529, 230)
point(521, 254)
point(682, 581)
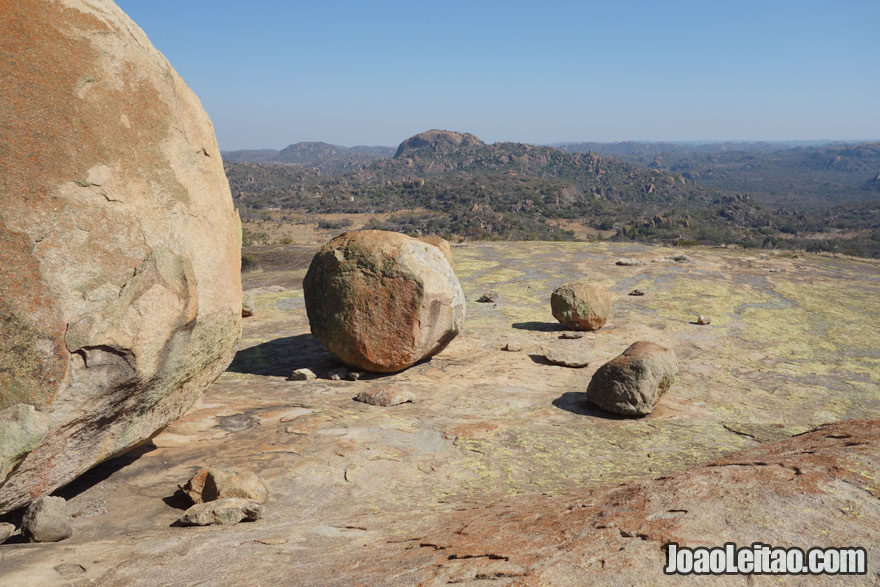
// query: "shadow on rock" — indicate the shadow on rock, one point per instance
point(280, 357)
point(103, 471)
point(541, 360)
point(577, 403)
point(539, 326)
point(179, 500)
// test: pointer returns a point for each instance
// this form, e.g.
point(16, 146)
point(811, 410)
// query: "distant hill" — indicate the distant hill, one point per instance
point(251, 155)
point(504, 190)
point(518, 191)
point(774, 173)
point(330, 158)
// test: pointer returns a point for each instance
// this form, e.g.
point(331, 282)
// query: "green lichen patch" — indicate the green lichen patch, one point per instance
point(21, 430)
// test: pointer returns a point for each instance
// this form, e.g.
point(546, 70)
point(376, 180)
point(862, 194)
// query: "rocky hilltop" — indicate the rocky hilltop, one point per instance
point(587, 413)
point(499, 468)
point(436, 141)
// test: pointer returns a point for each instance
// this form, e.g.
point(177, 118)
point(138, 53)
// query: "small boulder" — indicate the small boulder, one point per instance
point(581, 306)
point(302, 375)
point(355, 375)
point(6, 530)
point(213, 484)
point(385, 396)
point(628, 262)
point(566, 357)
point(381, 301)
point(680, 258)
point(224, 512)
point(46, 520)
point(703, 320)
point(632, 383)
point(636, 292)
point(488, 297)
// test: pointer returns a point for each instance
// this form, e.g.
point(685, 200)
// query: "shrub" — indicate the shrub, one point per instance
point(335, 224)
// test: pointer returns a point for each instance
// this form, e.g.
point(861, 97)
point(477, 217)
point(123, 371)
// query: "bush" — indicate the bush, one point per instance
point(250, 238)
point(248, 262)
point(335, 224)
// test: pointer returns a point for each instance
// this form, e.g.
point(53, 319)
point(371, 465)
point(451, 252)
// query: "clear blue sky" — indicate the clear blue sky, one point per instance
point(271, 73)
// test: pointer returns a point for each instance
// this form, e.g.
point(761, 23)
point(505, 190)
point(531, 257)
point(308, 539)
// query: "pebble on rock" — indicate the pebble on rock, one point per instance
point(385, 396)
point(302, 375)
point(46, 520)
point(223, 512)
point(565, 357)
point(572, 335)
point(338, 374)
point(488, 297)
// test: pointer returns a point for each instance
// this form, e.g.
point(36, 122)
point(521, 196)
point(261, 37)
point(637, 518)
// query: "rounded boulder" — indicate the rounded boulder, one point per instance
point(381, 301)
point(581, 306)
point(632, 383)
point(120, 248)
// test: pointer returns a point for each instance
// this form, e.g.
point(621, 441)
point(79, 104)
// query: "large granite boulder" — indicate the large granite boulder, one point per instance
point(632, 383)
point(442, 244)
point(381, 301)
point(120, 294)
point(581, 306)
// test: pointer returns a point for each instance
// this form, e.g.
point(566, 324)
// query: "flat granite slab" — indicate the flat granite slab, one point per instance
point(793, 344)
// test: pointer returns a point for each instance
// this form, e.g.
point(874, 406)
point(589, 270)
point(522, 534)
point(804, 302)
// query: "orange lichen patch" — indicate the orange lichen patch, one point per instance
point(33, 358)
point(59, 135)
point(387, 333)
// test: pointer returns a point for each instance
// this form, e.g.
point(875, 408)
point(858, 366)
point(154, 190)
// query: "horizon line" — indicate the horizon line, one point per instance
point(575, 142)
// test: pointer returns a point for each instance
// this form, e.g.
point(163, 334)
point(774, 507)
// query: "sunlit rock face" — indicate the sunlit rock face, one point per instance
point(120, 294)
